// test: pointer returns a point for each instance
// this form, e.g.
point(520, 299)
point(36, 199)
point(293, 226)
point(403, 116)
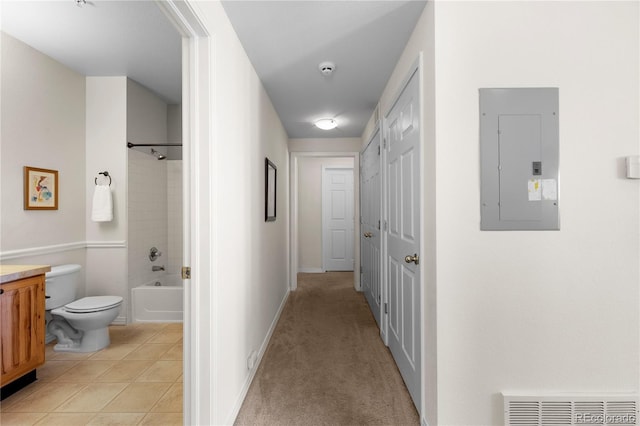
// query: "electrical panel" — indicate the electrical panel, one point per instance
point(519, 159)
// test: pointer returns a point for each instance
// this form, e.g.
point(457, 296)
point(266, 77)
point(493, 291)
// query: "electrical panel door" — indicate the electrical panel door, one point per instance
point(519, 159)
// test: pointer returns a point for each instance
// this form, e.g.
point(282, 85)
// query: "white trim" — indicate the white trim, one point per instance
point(243, 393)
point(120, 320)
point(58, 248)
point(293, 210)
point(311, 270)
point(199, 245)
point(106, 244)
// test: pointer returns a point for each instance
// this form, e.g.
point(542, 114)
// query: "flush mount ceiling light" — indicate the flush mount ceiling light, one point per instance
point(326, 124)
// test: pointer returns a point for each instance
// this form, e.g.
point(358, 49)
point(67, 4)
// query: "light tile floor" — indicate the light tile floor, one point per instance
point(137, 380)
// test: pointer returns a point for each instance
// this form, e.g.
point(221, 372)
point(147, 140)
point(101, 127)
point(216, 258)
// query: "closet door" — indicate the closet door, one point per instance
point(402, 182)
point(370, 235)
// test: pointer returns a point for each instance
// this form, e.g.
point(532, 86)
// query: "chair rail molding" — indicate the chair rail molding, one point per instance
point(57, 248)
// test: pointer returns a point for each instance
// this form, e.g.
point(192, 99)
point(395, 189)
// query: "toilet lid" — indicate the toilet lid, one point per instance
point(93, 303)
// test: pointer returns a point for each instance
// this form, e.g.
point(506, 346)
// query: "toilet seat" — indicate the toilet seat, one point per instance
point(93, 304)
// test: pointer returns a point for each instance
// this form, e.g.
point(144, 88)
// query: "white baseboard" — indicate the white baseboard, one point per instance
point(243, 393)
point(120, 320)
point(311, 270)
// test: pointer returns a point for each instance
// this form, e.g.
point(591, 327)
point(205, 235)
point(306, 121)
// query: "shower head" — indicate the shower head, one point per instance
point(157, 154)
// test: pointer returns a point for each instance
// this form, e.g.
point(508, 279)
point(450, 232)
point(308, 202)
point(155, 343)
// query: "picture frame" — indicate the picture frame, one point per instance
point(40, 189)
point(270, 178)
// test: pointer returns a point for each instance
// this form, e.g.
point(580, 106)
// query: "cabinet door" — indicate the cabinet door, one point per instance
point(22, 326)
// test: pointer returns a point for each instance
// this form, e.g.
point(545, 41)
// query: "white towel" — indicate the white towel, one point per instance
point(102, 204)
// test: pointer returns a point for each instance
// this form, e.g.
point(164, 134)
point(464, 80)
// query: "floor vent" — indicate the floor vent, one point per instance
point(561, 410)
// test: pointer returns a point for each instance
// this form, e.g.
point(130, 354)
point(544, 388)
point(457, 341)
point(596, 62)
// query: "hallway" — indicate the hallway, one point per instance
point(326, 363)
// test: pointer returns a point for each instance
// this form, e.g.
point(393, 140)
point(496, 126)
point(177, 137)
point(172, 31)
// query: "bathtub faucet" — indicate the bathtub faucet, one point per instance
point(155, 268)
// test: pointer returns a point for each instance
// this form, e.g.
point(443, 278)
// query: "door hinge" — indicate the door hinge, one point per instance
point(378, 225)
point(378, 149)
point(384, 142)
point(186, 272)
point(386, 227)
point(386, 308)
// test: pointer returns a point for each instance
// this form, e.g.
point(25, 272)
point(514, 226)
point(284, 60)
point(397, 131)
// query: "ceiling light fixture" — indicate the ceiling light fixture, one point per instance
point(326, 124)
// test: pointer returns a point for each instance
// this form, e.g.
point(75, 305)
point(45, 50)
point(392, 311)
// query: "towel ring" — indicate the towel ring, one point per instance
point(106, 174)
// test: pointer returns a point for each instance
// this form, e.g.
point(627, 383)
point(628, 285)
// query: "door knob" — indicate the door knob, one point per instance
point(368, 235)
point(415, 259)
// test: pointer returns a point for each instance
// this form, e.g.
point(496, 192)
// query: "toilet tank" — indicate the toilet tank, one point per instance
point(61, 285)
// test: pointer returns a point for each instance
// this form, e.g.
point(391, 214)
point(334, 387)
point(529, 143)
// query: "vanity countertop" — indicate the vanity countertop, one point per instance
point(10, 273)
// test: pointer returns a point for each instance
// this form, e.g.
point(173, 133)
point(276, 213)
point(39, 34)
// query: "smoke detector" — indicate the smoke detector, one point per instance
point(327, 68)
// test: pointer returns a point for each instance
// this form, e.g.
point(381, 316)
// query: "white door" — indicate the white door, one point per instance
point(337, 219)
point(403, 235)
point(370, 237)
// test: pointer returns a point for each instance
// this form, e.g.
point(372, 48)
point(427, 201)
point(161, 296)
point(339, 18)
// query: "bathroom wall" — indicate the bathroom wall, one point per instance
point(174, 189)
point(106, 138)
point(310, 209)
point(147, 216)
point(147, 183)
point(174, 216)
point(43, 125)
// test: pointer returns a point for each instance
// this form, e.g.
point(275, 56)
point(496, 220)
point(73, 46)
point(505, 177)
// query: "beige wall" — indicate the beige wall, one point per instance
point(526, 304)
point(528, 311)
point(325, 145)
point(43, 125)
point(310, 209)
point(106, 138)
point(248, 257)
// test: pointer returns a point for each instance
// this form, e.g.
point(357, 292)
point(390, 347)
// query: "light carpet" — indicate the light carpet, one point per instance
point(326, 363)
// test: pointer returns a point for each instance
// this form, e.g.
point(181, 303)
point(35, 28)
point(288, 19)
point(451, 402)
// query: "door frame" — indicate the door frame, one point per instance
point(294, 157)
point(325, 169)
point(198, 245)
point(378, 131)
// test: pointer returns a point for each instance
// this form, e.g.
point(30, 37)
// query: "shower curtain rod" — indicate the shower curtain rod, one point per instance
point(131, 145)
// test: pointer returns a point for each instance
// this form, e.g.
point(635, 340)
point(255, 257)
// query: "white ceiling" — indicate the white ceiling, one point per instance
point(285, 41)
point(103, 38)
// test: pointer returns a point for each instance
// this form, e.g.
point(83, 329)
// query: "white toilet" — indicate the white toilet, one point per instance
point(79, 325)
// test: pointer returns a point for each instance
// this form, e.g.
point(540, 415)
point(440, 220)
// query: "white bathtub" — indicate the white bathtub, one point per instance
point(158, 303)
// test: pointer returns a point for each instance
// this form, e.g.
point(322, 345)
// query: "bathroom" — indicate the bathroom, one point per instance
point(83, 126)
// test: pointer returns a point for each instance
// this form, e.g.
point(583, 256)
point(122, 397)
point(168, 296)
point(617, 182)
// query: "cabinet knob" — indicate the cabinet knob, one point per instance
point(1, 290)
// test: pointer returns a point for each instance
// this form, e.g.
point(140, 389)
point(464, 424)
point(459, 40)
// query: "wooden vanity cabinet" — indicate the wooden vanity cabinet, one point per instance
point(22, 323)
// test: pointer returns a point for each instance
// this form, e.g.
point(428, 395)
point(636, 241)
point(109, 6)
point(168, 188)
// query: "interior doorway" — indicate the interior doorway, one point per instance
point(306, 227)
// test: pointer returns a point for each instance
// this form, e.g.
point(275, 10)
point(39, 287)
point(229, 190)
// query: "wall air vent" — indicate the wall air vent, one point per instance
point(565, 409)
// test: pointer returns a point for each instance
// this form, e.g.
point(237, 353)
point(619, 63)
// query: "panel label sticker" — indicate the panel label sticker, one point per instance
point(549, 189)
point(535, 190)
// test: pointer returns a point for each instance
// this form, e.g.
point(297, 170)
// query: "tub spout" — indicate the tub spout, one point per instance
point(155, 268)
